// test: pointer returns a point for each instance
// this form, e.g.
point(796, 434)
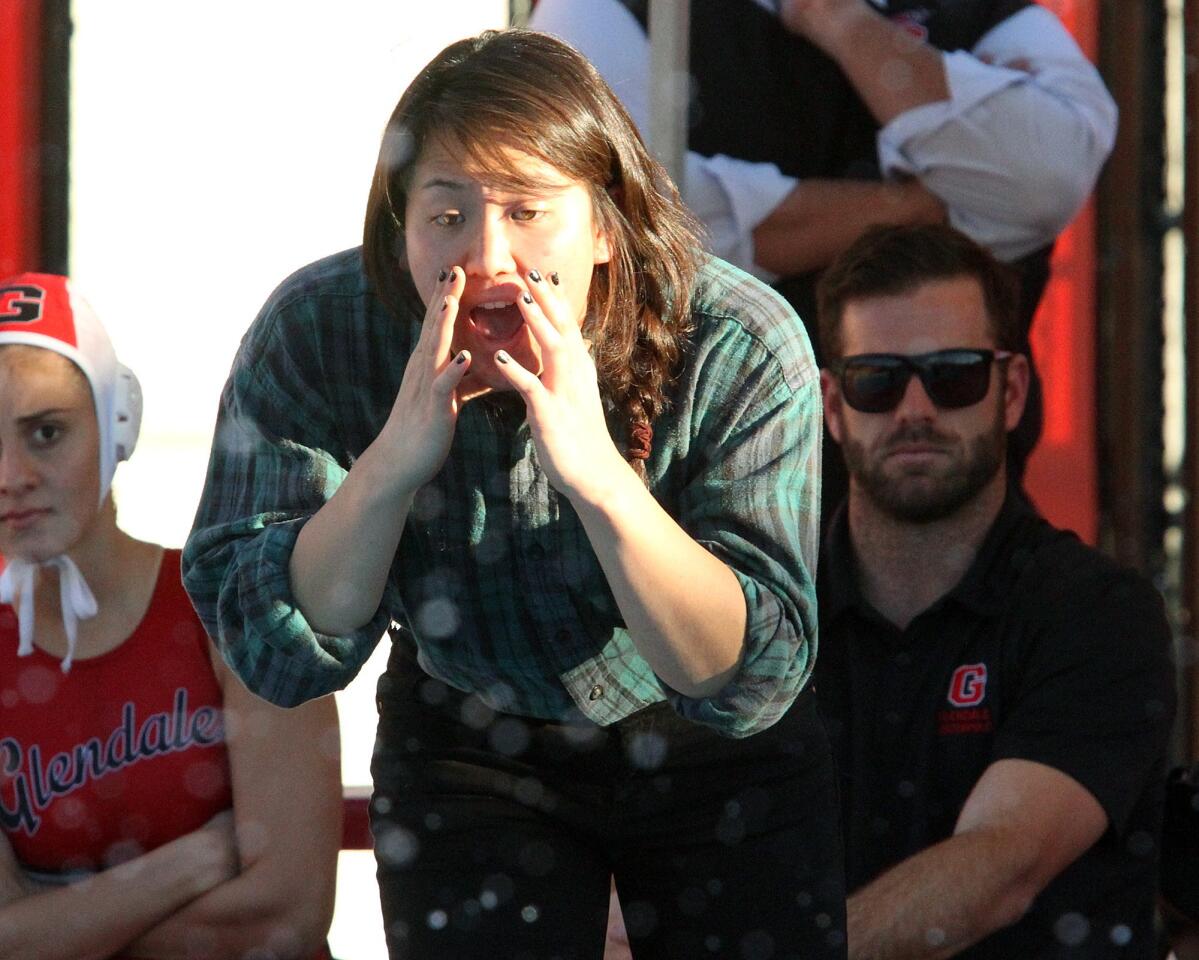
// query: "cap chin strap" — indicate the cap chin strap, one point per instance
point(78, 602)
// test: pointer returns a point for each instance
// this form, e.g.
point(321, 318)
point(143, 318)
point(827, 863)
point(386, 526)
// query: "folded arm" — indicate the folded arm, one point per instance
point(1010, 135)
point(287, 809)
point(1022, 824)
point(820, 218)
point(97, 916)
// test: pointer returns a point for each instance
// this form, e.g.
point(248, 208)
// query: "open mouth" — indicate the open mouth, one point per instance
point(498, 321)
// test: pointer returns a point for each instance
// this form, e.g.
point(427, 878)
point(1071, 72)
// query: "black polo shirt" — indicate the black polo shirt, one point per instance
point(1045, 651)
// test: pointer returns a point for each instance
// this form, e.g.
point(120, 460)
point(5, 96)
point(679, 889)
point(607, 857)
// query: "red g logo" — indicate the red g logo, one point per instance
point(968, 685)
point(21, 303)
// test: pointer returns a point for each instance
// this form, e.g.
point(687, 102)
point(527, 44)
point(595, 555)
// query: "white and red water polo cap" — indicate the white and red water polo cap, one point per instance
point(42, 310)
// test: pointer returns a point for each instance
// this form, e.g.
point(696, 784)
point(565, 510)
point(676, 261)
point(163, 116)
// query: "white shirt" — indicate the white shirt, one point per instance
point(1013, 154)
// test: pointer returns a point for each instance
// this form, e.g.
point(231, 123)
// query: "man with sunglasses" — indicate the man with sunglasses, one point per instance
point(999, 695)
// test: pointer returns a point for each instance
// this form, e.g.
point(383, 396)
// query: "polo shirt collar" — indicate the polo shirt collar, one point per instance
point(982, 588)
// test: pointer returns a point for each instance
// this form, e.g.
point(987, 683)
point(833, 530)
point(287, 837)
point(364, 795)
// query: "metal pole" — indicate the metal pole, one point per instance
point(670, 82)
point(518, 12)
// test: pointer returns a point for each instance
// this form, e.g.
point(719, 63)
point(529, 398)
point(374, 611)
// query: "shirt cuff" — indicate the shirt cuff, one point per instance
point(774, 669)
point(732, 197)
point(970, 82)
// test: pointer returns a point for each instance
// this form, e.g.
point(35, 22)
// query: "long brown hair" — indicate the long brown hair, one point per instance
point(530, 92)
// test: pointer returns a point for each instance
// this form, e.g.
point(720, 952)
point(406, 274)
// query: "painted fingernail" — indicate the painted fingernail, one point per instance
point(501, 357)
point(554, 278)
point(441, 276)
point(535, 276)
point(526, 298)
point(461, 358)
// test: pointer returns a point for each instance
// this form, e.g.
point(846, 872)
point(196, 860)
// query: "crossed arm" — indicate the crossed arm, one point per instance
point(1021, 826)
point(955, 138)
point(260, 877)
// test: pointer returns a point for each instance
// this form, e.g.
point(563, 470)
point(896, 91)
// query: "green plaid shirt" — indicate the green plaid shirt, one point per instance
point(495, 581)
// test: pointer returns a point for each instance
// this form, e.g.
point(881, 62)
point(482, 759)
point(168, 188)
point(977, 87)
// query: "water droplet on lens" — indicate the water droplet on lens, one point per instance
point(647, 751)
point(437, 920)
point(433, 692)
point(1121, 935)
point(498, 886)
point(438, 618)
point(476, 714)
point(509, 736)
point(395, 846)
point(530, 913)
point(1072, 929)
point(529, 791)
point(428, 504)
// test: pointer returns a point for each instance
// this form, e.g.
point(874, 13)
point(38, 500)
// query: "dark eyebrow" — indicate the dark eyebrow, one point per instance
point(43, 414)
point(443, 183)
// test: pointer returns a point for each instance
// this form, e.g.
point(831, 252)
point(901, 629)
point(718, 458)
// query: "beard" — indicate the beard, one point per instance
point(928, 495)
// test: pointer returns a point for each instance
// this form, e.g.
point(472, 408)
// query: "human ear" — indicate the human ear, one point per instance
point(830, 390)
point(1015, 389)
point(602, 250)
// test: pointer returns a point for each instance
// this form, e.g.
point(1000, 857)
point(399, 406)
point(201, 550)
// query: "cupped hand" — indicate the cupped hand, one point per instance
point(420, 428)
point(563, 405)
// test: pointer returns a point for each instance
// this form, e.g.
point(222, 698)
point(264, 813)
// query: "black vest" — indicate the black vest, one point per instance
point(762, 93)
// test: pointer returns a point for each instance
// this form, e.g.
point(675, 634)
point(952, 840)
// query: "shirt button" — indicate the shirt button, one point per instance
point(596, 692)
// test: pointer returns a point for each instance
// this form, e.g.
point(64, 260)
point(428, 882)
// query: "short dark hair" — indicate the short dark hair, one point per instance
point(891, 260)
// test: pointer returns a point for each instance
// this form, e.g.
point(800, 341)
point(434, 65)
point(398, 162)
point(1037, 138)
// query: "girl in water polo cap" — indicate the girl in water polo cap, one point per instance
point(572, 467)
point(41, 311)
point(118, 765)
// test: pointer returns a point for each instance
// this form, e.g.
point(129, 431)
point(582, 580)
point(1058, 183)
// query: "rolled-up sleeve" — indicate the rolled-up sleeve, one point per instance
point(276, 459)
point(753, 499)
point(729, 195)
point(1016, 150)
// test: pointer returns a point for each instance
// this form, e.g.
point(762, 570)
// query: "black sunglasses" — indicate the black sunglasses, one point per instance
point(876, 382)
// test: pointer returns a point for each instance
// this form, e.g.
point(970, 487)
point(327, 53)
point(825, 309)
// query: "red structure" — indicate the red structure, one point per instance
point(1062, 475)
point(20, 124)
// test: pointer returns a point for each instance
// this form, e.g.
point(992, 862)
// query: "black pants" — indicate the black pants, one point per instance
point(496, 836)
